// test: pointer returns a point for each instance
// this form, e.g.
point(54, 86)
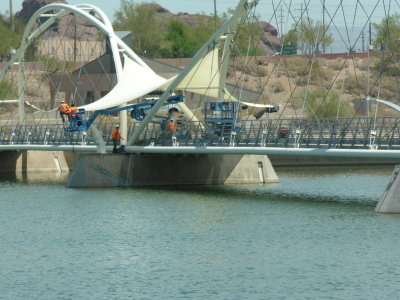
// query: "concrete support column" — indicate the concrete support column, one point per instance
point(390, 200)
point(93, 170)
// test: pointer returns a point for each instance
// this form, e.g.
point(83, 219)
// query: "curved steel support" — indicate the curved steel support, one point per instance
point(388, 103)
point(85, 11)
point(103, 24)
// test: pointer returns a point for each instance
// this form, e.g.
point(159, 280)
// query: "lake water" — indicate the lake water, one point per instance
point(313, 236)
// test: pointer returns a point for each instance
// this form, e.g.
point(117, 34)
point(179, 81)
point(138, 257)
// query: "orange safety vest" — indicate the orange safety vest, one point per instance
point(171, 126)
point(64, 108)
point(116, 134)
point(72, 111)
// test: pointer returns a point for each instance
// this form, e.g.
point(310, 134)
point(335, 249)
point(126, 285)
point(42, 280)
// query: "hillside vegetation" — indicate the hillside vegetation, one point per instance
point(320, 87)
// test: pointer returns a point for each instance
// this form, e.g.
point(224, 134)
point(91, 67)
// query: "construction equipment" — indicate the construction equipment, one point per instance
point(222, 118)
point(138, 111)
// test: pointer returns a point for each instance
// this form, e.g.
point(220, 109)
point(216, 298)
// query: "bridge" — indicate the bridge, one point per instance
point(34, 126)
point(344, 137)
point(105, 75)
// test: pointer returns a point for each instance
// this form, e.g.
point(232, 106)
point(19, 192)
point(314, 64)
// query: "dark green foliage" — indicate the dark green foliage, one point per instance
point(290, 38)
point(147, 30)
point(387, 41)
point(9, 39)
point(157, 36)
point(310, 36)
point(8, 91)
point(181, 39)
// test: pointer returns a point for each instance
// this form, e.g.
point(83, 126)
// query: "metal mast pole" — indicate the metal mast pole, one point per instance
point(241, 9)
point(215, 14)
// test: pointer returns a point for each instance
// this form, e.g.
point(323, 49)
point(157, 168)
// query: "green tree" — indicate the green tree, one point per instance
point(8, 90)
point(247, 36)
point(147, 30)
point(247, 39)
point(205, 28)
point(182, 41)
point(311, 36)
point(318, 103)
point(388, 40)
point(290, 38)
point(388, 33)
point(9, 39)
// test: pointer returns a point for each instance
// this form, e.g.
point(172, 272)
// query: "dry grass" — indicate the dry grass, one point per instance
point(337, 64)
point(277, 86)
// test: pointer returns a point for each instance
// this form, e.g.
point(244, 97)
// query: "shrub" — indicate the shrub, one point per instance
point(320, 104)
point(353, 85)
point(8, 90)
point(277, 86)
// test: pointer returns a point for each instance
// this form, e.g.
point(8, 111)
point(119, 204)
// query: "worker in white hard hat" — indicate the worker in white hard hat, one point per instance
point(64, 110)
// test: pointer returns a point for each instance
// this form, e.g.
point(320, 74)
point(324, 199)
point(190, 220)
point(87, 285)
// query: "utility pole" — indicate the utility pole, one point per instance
point(323, 24)
point(363, 41)
point(280, 30)
point(301, 13)
point(370, 36)
point(12, 16)
point(301, 24)
point(215, 14)
point(281, 21)
point(75, 44)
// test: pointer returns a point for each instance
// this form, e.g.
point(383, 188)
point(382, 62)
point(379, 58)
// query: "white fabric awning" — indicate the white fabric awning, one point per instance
point(258, 105)
point(135, 82)
point(204, 79)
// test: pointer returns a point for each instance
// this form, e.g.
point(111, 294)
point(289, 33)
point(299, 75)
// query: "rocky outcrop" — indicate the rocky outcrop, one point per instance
point(269, 36)
point(71, 26)
point(68, 26)
point(29, 7)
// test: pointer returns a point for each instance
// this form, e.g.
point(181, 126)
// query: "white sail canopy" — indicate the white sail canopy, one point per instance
point(135, 81)
point(204, 79)
point(255, 105)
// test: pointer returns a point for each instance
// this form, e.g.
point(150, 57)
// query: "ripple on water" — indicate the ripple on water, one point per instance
point(309, 237)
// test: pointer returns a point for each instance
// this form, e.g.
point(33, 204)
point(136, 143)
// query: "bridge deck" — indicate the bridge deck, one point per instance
point(342, 133)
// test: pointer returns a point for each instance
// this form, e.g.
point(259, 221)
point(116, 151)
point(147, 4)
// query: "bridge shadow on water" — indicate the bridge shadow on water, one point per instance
point(269, 193)
point(355, 185)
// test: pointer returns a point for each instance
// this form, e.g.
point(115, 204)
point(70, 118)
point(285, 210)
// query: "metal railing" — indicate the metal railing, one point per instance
point(346, 133)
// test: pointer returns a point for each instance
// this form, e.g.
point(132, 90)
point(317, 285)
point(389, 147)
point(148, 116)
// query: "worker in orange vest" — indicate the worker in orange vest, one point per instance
point(64, 110)
point(72, 110)
point(172, 126)
point(73, 115)
point(116, 136)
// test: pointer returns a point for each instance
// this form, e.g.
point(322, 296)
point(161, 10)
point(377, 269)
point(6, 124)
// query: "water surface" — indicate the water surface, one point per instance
point(313, 236)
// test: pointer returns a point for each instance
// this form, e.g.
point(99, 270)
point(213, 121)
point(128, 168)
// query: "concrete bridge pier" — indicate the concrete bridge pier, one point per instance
point(24, 162)
point(390, 200)
point(114, 170)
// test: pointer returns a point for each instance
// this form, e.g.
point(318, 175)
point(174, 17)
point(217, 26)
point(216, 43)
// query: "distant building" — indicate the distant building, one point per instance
point(68, 49)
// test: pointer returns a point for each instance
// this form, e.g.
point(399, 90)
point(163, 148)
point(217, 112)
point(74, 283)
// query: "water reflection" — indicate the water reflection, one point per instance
point(45, 178)
point(355, 184)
